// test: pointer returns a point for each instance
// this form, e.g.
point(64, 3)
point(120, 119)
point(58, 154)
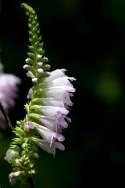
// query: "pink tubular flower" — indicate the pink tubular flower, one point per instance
point(54, 110)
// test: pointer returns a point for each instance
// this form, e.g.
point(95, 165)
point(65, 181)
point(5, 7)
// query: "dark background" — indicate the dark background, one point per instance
point(87, 37)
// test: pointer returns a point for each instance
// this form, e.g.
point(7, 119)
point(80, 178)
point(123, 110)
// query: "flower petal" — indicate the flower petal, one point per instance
point(53, 110)
point(48, 134)
point(56, 74)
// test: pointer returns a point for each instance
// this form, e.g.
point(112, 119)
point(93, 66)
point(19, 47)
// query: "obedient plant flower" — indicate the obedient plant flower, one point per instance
point(53, 107)
point(8, 92)
point(49, 102)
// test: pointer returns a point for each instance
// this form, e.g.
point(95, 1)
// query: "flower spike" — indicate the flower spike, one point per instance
point(46, 111)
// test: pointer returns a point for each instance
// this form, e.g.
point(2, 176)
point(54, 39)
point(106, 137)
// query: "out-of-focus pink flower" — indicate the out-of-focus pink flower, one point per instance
point(8, 92)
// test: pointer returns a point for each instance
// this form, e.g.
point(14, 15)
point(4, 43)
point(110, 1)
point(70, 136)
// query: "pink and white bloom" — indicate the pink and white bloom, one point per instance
point(54, 110)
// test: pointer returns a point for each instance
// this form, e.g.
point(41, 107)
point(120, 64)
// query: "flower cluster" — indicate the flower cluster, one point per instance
point(53, 107)
point(8, 92)
point(46, 111)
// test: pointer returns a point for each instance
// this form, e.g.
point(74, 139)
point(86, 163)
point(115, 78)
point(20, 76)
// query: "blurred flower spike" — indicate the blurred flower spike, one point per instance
point(8, 93)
